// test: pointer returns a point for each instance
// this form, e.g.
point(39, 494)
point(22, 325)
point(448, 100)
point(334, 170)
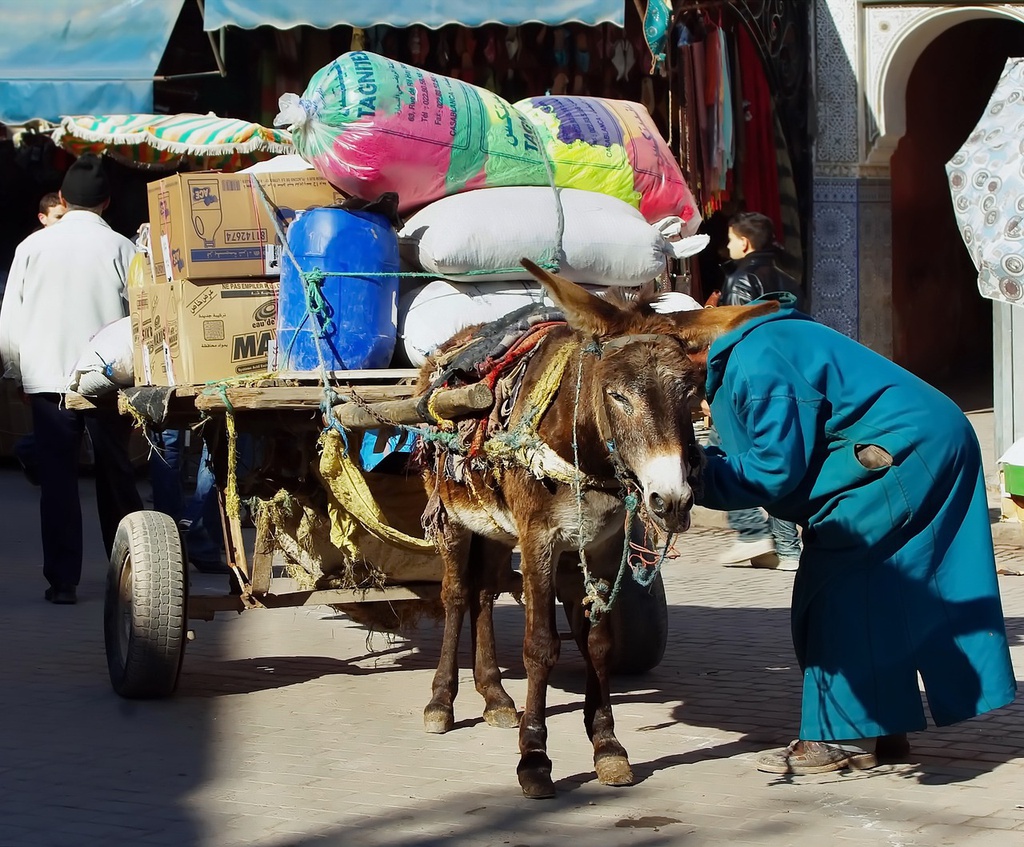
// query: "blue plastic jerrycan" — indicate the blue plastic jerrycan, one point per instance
point(343, 322)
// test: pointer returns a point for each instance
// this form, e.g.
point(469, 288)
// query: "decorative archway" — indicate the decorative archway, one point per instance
point(894, 38)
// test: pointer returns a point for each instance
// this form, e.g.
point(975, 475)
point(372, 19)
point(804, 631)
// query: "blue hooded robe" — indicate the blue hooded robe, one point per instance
point(898, 572)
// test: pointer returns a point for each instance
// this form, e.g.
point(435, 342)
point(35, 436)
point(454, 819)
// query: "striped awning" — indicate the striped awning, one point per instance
point(72, 57)
point(284, 14)
point(203, 142)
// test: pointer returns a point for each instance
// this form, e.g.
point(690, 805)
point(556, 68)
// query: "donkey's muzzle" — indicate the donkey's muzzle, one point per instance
point(671, 511)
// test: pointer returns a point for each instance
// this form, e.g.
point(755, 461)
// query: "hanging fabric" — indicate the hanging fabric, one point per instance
point(760, 179)
point(657, 19)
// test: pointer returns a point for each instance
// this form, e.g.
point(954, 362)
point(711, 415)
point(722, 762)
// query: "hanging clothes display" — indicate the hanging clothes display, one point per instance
point(730, 155)
point(759, 182)
point(732, 147)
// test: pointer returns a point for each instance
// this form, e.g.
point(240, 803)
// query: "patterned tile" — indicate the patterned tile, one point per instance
point(836, 95)
point(834, 271)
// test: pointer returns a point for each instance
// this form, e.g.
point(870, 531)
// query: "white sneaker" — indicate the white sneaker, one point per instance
point(744, 552)
point(772, 562)
point(766, 561)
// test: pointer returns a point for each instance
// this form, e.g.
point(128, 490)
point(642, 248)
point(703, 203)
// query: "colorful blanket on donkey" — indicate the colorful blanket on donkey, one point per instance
point(497, 354)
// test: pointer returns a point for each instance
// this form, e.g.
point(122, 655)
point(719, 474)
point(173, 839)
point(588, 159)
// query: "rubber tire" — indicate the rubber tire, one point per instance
point(144, 619)
point(639, 623)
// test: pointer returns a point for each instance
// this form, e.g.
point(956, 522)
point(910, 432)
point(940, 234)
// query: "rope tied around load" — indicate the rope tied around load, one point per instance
point(316, 304)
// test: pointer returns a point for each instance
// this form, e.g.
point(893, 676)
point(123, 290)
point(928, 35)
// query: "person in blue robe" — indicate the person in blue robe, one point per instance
point(897, 578)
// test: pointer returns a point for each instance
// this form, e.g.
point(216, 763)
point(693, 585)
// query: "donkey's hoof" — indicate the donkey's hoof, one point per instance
point(505, 717)
point(534, 773)
point(614, 770)
point(438, 719)
point(536, 783)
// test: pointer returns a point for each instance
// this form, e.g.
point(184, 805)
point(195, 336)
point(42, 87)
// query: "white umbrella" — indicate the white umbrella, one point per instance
point(986, 180)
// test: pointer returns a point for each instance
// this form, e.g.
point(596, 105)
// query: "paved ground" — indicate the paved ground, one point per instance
point(294, 727)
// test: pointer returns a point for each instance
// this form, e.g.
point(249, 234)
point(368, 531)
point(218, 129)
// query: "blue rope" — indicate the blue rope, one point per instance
point(316, 304)
point(108, 367)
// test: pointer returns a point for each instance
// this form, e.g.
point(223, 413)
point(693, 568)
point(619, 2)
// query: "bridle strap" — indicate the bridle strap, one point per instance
point(624, 340)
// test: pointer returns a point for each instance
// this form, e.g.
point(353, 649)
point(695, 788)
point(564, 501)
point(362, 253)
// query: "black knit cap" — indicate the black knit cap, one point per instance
point(85, 183)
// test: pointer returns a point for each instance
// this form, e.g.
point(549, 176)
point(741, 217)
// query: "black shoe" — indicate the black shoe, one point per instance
point(64, 595)
point(892, 749)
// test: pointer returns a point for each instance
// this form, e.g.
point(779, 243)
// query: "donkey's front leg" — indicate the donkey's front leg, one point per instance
point(610, 758)
point(439, 715)
point(540, 653)
point(490, 560)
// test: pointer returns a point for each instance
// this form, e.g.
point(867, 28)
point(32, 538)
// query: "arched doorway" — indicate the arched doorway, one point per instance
point(942, 327)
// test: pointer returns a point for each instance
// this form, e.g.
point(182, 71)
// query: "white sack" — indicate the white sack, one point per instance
point(283, 163)
point(431, 314)
point(675, 301)
point(606, 241)
point(107, 361)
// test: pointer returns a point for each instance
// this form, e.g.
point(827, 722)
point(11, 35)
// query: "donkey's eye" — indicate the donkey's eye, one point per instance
point(621, 401)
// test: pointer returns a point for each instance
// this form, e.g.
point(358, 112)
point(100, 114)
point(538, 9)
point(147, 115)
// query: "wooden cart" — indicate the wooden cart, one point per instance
point(148, 602)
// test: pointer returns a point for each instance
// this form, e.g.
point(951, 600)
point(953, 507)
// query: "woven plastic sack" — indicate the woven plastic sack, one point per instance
point(614, 147)
point(369, 125)
point(107, 362)
point(431, 314)
point(481, 236)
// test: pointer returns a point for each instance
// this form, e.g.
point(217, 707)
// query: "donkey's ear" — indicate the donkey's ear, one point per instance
point(583, 310)
point(696, 329)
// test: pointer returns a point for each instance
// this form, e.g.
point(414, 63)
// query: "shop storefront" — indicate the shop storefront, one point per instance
point(888, 264)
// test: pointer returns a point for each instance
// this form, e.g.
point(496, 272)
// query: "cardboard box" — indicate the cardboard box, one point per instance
point(142, 332)
point(224, 329)
point(161, 347)
point(140, 278)
point(212, 225)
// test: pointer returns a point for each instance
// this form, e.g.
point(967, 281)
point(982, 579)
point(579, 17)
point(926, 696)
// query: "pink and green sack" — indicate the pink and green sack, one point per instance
point(369, 125)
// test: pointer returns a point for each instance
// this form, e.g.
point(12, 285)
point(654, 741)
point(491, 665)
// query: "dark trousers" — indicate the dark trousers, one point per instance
point(204, 538)
point(58, 439)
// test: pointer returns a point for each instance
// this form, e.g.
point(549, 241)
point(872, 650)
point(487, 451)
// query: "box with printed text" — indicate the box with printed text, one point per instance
point(212, 225)
point(161, 349)
point(224, 329)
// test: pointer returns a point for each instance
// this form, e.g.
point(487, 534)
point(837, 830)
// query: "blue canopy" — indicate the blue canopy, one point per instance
point(284, 14)
point(80, 57)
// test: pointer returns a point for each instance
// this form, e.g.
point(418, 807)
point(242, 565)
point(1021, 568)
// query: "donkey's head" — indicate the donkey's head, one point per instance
point(648, 377)
point(642, 385)
point(647, 387)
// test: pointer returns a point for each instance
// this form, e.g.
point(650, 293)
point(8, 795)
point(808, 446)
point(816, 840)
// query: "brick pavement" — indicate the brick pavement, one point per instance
point(293, 728)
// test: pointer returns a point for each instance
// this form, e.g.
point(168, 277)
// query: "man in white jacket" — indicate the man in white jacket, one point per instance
point(65, 283)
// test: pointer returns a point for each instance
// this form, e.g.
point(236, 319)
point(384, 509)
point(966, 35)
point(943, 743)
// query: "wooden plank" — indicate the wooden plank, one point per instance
point(296, 396)
point(78, 402)
point(367, 374)
point(411, 591)
point(205, 606)
point(450, 403)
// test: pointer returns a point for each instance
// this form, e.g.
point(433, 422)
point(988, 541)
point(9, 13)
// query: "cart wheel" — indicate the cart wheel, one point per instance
point(638, 620)
point(144, 611)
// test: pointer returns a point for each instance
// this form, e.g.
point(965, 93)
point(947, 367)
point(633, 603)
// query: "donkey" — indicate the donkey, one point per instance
point(620, 420)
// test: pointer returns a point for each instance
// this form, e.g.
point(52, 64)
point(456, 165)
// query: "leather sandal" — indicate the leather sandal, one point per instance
point(801, 758)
